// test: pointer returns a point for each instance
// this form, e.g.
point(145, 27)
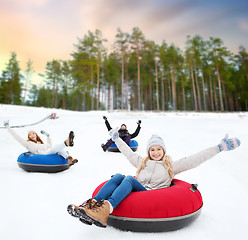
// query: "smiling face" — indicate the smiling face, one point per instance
point(123, 126)
point(156, 152)
point(32, 135)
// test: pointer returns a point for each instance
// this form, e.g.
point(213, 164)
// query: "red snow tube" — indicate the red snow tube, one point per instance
point(157, 210)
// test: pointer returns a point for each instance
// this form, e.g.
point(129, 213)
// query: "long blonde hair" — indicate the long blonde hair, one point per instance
point(166, 160)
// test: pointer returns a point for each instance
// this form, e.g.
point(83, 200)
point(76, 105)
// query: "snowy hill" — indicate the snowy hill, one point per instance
point(33, 205)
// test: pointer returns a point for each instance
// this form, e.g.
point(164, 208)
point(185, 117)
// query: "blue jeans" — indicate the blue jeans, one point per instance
point(118, 188)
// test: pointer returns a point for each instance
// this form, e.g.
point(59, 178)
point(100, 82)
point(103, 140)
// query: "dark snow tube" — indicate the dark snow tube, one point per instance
point(133, 145)
point(158, 210)
point(52, 163)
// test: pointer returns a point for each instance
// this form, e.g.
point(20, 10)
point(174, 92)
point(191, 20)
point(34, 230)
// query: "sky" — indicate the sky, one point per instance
point(43, 30)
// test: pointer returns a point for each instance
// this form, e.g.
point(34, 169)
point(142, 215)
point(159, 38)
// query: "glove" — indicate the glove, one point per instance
point(45, 133)
point(105, 118)
point(114, 134)
point(53, 116)
point(6, 123)
point(227, 144)
point(139, 122)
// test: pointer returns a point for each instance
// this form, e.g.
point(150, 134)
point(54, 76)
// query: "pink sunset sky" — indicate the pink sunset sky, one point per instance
point(43, 30)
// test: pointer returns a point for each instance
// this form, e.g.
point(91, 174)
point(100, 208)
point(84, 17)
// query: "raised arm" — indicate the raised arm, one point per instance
point(132, 157)
point(18, 138)
point(49, 140)
point(107, 123)
point(135, 134)
point(195, 160)
point(30, 146)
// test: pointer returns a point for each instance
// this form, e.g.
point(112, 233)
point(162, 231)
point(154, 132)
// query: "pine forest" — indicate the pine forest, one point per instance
point(137, 74)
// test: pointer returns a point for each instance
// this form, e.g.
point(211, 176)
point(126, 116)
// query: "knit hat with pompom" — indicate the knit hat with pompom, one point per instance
point(155, 140)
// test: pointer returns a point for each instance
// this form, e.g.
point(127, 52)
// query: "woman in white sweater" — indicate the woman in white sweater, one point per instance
point(34, 144)
point(153, 172)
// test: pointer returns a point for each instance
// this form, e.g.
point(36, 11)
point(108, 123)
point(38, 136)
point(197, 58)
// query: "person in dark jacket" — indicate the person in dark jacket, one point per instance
point(123, 134)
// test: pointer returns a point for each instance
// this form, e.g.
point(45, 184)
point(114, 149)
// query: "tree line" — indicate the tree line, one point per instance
point(137, 74)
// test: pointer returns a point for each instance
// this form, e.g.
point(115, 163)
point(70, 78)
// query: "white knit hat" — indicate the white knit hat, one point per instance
point(155, 140)
point(29, 131)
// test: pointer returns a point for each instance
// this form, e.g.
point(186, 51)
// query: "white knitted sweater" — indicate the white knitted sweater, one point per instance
point(32, 147)
point(155, 175)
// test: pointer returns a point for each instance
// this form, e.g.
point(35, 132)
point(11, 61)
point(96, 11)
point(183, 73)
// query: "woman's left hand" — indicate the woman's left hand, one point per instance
point(45, 133)
point(228, 144)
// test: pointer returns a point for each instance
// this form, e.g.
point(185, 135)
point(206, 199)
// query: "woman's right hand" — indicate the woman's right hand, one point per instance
point(6, 123)
point(114, 134)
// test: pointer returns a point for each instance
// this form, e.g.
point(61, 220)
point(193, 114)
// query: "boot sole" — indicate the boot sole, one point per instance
point(103, 148)
point(71, 138)
point(72, 211)
point(83, 215)
point(85, 221)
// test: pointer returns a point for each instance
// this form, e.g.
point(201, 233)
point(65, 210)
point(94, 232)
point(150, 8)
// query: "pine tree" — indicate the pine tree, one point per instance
point(137, 40)
point(11, 82)
point(122, 46)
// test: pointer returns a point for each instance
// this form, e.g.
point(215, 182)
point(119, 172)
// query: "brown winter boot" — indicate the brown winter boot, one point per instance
point(73, 209)
point(69, 141)
point(98, 214)
point(71, 161)
point(89, 204)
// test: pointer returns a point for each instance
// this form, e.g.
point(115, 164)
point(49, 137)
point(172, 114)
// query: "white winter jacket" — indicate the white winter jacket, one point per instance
point(155, 175)
point(32, 147)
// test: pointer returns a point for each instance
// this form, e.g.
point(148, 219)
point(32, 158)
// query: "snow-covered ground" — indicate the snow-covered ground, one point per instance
point(33, 205)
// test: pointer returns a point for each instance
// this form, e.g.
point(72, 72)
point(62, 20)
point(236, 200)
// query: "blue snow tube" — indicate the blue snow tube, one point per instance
point(133, 145)
point(51, 163)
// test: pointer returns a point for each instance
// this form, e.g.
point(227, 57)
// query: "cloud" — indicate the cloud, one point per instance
point(103, 14)
point(43, 30)
point(243, 25)
point(35, 33)
point(19, 3)
point(151, 17)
